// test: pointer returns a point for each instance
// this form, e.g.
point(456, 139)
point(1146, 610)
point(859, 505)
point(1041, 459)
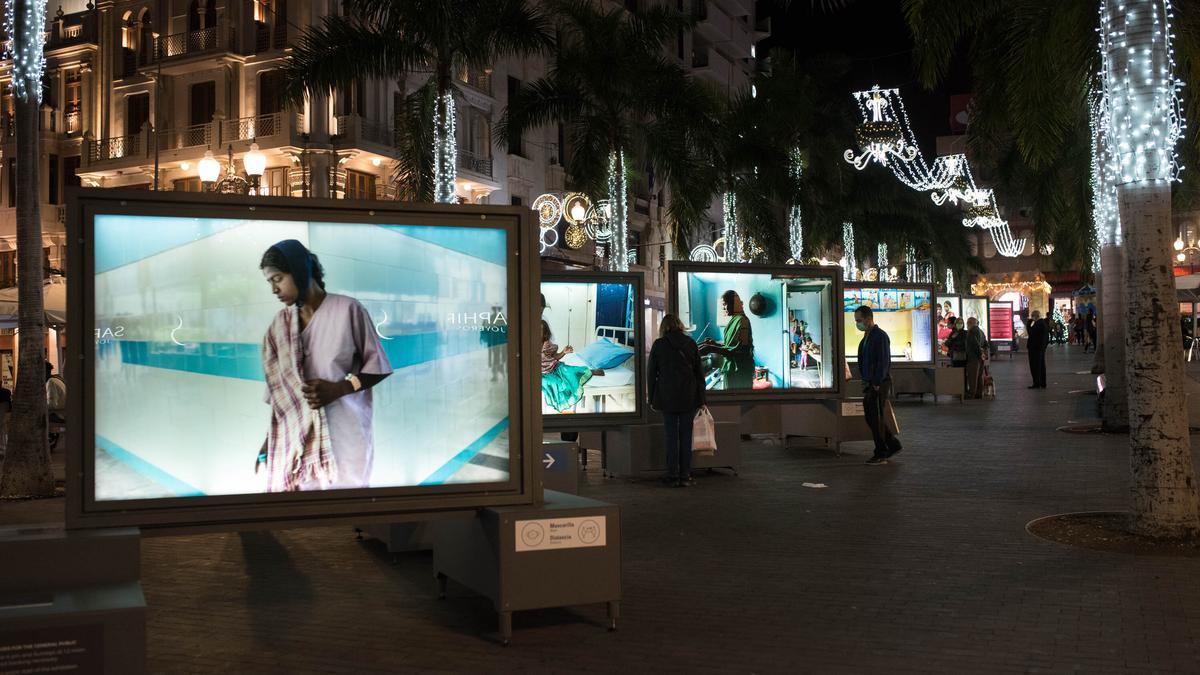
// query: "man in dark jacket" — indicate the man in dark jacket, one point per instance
point(875, 368)
point(1039, 339)
point(675, 380)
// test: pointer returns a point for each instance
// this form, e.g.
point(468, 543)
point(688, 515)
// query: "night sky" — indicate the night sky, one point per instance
point(874, 34)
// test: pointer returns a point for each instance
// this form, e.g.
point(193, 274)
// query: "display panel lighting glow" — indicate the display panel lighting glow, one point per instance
point(905, 314)
point(589, 348)
point(761, 331)
point(204, 392)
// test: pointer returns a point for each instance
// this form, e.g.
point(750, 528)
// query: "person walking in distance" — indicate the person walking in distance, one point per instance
point(676, 387)
point(1039, 339)
point(875, 368)
point(977, 356)
point(1089, 324)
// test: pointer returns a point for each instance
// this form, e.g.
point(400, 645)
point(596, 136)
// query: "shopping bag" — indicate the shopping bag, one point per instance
point(704, 433)
point(889, 417)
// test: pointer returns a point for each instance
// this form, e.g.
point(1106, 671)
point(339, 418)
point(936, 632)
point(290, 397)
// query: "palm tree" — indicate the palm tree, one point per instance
point(383, 39)
point(26, 462)
point(1037, 67)
point(620, 101)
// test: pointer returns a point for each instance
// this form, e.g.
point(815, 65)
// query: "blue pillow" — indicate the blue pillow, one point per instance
point(605, 354)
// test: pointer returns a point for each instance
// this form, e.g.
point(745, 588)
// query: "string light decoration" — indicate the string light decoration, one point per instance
point(911, 268)
point(881, 260)
point(1106, 216)
point(26, 47)
point(618, 188)
point(949, 281)
point(1006, 244)
point(1146, 119)
point(849, 260)
point(445, 153)
point(961, 187)
point(733, 240)
point(795, 225)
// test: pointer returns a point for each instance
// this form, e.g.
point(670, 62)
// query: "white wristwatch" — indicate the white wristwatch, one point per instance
point(354, 381)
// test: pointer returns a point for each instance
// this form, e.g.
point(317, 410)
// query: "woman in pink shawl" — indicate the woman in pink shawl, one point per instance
point(321, 357)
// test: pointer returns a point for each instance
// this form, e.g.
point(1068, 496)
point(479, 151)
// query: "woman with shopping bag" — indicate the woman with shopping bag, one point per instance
point(676, 388)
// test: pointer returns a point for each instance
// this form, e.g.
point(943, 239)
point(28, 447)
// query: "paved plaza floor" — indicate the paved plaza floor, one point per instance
point(922, 565)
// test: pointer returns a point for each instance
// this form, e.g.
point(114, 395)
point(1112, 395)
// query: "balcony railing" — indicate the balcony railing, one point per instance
point(477, 80)
point(72, 122)
point(114, 148)
point(249, 128)
point(356, 126)
point(475, 163)
point(197, 135)
point(192, 43)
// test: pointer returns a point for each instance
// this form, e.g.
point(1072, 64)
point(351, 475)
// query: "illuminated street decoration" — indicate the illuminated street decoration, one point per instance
point(949, 280)
point(25, 47)
point(618, 191)
point(1143, 136)
point(733, 240)
point(549, 209)
point(885, 137)
point(445, 154)
point(704, 253)
point(849, 260)
point(795, 225)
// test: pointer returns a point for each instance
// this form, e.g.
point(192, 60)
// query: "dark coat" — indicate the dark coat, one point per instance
point(673, 375)
point(1039, 336)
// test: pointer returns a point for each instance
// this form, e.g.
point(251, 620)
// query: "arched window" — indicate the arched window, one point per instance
point(146, 36)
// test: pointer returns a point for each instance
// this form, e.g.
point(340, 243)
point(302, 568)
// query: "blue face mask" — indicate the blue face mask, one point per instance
point(860, 325)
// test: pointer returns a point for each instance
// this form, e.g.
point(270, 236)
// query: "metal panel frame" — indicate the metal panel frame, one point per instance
point(834, 274)
point(589, 421)
point(233, 512)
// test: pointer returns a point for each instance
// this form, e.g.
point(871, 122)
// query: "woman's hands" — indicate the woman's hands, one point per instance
point(320, 393)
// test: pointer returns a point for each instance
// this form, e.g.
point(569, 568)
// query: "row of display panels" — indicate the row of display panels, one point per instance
point(209, 398)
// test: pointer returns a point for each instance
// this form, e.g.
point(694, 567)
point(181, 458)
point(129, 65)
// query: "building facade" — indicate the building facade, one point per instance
point(135, 93)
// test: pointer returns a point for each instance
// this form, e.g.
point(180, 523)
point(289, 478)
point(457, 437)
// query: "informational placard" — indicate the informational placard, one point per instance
point(852, 409)
point(550, 534)
point(1000, 319)
point(61, 649)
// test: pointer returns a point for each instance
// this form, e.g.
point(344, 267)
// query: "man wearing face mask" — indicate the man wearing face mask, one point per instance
point(875, 366)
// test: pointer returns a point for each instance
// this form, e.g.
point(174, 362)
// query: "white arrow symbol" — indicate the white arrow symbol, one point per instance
point(548, 461)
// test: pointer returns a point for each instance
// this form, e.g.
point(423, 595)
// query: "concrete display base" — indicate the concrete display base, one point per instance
point(71, 601)
point(640, 449)
point(832, 421)
point(533, 557)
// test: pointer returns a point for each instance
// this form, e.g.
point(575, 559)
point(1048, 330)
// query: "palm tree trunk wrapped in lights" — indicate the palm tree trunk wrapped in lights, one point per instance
point(1030, 60)
point(1140, 81)
point(25, 470)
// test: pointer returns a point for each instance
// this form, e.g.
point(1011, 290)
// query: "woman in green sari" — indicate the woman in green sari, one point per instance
point(562, 384)
point(736, 346)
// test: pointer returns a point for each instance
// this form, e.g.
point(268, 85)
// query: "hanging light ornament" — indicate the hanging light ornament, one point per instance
point(704, 253)
point(618, 190)
point(549, 209)
point(885, 137)
point(598, 224)
point(949, 281)
point(957, 171)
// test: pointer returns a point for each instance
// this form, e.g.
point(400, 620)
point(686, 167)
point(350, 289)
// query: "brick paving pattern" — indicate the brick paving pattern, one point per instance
point(919, 566)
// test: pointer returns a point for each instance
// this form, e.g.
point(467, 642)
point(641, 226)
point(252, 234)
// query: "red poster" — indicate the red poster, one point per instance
point(1000, 320)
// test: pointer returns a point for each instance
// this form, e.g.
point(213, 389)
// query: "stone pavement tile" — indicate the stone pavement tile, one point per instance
point(919, 566)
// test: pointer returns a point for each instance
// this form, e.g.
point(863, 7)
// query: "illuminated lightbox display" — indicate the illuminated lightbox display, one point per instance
point(761, 331)
point(590, 340)
point(977, 308)
point(209, 382)
point(904, 313)
point(947, 310)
